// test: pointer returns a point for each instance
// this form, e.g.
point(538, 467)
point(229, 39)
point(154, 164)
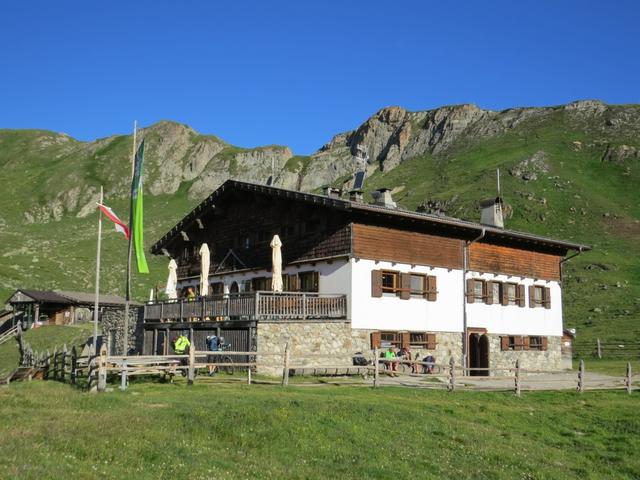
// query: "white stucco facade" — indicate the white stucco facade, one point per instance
point(352, 277)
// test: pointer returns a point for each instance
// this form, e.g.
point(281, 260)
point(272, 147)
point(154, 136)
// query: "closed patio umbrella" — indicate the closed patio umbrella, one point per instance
point(204, 269)
point(276, 260)
point(172, 281)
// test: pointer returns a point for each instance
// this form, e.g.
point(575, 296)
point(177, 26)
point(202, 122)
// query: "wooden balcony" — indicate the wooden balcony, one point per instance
point(249, 306)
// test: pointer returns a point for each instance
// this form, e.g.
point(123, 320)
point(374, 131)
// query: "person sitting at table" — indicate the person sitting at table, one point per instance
point(392, 365)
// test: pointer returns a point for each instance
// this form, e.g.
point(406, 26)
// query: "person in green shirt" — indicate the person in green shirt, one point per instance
point(391, 365)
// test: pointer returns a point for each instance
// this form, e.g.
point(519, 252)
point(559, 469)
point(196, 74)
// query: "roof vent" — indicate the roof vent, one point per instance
point(491, 212)
point(382, 197)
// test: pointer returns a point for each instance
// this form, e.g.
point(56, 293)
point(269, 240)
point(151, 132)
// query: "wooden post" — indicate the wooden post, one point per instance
point(599, 348)
point(452, 375)
point(249, 375)
point(285, 373)
point(376, 368)
point(181, 310)
point(517, 377)
point(304, 306)
point(102, 369)
point(63, 363)
point(47, 363)
point(74, 364)
point(192, 361)
point(581, 377)
point(55, 363)
point(123, 375)
point(629, 380)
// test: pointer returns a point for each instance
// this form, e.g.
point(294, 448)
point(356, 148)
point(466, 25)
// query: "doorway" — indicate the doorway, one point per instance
point(478, 353)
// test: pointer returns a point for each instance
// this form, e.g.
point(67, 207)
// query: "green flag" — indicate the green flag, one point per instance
point(137, 211)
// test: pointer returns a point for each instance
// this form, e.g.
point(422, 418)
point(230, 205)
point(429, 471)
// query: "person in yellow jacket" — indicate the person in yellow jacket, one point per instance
point(181, 345)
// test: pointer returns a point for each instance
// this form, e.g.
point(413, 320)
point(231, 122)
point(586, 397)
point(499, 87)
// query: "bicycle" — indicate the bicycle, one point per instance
point(222, 359)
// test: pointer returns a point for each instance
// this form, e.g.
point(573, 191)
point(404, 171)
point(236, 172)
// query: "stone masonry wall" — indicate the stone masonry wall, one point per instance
point(331, 340)
point(550, 359)
point(113, 322)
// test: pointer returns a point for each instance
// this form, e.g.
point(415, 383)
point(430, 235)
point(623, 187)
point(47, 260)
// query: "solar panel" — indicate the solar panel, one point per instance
point(358, 183)
point(269, 180)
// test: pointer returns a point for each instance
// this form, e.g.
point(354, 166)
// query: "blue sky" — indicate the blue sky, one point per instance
point(298, 72)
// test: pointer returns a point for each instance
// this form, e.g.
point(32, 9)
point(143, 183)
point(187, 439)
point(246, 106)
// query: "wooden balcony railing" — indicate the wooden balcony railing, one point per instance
point(250, 306)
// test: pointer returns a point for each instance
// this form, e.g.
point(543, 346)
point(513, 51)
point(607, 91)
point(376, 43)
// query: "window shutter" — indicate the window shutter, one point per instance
point(544, 343)
point(504, 343)
point(431, 341)
point(432, 288)
point(504, 293)
point(376, 283)
point(546, 297)
point(487, 288)
point(518, 343)
point(406, 339)
point(316, 281)
point(470, 296)
point(532, 303)
point(520, 295)
point(375, 339)
point(405, 286)
point(526, 343)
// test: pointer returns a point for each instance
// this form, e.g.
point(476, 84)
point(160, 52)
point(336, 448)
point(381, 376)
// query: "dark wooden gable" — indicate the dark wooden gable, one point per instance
point(240, 226)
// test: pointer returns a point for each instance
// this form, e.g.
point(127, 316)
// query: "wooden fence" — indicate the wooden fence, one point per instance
point(93, 371)
point(610, 348)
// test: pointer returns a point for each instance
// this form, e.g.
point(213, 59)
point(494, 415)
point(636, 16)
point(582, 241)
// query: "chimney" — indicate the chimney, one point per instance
point(382, 197)
point(355, 195)
point(332, 192)
point(491, 212)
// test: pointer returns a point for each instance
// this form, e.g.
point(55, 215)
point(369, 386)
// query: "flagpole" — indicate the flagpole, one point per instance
point(127, 297)
point(95, 307)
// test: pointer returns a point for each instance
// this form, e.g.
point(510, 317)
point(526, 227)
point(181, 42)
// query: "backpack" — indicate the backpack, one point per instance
point(359, 360)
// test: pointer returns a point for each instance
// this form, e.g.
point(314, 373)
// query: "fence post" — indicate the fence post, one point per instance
point(192, 361)
point(285, 373)
point(249, 375)
point(629, 378)
point(64, 363)
point(102, 369)
point(581, 377)
point(304, 306)
point(74, 364)
point(55, 363)
point(517, 378)
point(599, 348)
point(123, 375)
point(181, 309)
point(452, 375)
point(376, 368)
point(47, 364)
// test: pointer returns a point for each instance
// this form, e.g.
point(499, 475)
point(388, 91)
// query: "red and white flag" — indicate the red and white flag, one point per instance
point(120, 225)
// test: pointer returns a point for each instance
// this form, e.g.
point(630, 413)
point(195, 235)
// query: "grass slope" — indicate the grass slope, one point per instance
point(164, 431)
point(43, 339)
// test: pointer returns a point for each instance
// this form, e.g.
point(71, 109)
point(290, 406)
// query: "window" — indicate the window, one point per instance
point(496, 292)
point(390, 282)
point(535, 343)
point(290, 283)
point(478, 289)
point(217, 288)
point(514, 342)
point(511, 293)
point(418, 285)
point(422, 340)
point(539, 296)
point(390, 339)
point(261, 283)
point(308, 281)
point(246, 286)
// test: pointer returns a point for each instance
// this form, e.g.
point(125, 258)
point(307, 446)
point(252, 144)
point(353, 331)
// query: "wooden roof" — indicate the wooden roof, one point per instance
point(465, 228)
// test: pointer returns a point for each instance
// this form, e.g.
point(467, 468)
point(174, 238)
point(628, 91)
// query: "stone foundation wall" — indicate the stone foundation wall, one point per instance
point(329, 339)
point(113, 329)
point(550, 359)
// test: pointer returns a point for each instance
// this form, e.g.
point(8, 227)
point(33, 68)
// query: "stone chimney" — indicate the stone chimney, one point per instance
point(382, 197)
point(355, 195)
point(491, 212)
point(332, 192)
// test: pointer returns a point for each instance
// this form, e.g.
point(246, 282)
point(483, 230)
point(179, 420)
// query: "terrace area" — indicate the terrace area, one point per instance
point(259, 305)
